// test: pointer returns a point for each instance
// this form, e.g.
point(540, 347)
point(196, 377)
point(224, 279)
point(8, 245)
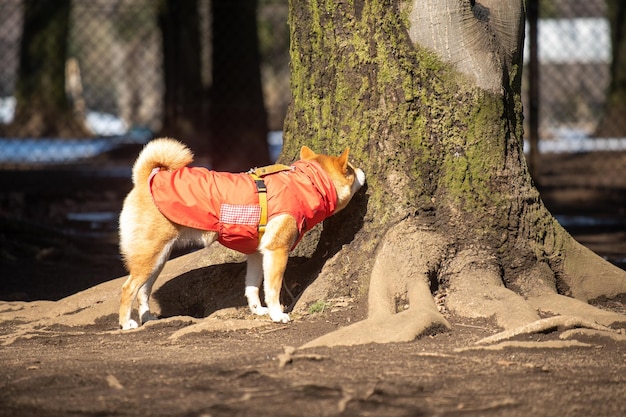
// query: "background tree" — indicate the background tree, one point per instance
point(612, 123)
point(184, 96)
point(238, 120)
point(427, 95)
point(43, 108)
point(225, 120)
point(136, 57)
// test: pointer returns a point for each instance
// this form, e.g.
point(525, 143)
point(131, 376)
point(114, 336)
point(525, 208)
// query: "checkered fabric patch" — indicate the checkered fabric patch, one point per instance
point(237, 214)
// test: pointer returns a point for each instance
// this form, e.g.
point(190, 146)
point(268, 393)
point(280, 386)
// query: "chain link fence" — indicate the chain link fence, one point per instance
point(115, 81)
point(576, 135)
point(114, 74)
point(574, 55)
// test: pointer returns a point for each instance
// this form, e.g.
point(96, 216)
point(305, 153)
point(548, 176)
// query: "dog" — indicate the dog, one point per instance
point(262, 213)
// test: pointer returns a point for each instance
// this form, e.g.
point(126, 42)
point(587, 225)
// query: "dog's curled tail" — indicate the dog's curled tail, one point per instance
point(162, 153)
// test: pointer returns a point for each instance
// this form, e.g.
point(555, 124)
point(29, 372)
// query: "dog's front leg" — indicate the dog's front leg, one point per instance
point(274, 265)
point(254, 276)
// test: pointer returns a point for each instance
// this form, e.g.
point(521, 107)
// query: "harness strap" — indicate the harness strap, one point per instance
point(257, 175)
point(270, 169)
point(262, 190)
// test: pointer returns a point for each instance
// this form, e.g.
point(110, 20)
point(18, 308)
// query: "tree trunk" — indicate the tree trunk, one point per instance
point(612, 123)
point(238, 120)
point(427, 95)
point(183, 101)
point(42, 106)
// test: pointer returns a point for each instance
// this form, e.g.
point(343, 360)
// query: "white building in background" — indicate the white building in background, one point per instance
point(574, 75)
point(567, 41)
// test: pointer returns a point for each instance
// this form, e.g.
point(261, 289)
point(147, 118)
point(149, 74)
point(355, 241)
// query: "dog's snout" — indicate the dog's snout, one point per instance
point(359, 180)
point(360, 177)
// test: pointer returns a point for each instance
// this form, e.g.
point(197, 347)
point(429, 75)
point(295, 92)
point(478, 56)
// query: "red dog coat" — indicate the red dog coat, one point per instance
point(229, 203)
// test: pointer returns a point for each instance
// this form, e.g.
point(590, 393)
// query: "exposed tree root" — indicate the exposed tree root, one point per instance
point(86, 307)
point(586, 275)
point(550, 344)
point(544, 325)
point(573, 333)
point(476, 290)
point(401, 327)
point(401, 306)
point(566, 306)
point(211, 325)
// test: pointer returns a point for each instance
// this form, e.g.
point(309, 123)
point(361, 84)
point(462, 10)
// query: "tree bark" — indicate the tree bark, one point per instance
point(42, 106)
point(427, 95)
point(612, 123)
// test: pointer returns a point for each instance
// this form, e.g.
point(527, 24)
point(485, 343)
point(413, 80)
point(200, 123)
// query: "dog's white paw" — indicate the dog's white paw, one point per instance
point(259, 310)
point(280, 317)
point(129, 325)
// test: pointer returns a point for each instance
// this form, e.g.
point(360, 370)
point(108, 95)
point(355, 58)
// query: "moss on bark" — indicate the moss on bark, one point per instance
point(422, 132)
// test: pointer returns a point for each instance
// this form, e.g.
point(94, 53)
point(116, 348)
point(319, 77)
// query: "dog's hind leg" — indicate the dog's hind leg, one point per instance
point(143, 296)
point(129, 293)
point(143, 274)
point(254, 276)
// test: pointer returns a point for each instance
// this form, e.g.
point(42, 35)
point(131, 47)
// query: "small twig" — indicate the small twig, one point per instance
point(290, 355)
point(471, 326)
point(436, 355)
point(274, 329)
point(113, 382)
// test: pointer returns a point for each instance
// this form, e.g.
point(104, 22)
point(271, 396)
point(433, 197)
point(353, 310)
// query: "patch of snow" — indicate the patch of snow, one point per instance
point(105, 124)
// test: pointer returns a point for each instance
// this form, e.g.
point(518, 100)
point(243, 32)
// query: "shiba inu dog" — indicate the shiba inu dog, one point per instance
point(262, 213)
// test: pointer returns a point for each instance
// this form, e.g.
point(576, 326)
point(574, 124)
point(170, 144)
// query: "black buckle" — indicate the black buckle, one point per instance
point(260, 186)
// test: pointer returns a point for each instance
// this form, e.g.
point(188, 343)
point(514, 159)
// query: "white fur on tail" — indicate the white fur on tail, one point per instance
point(160, 153)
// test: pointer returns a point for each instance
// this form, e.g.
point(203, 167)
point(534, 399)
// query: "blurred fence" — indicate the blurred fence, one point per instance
point(114, 74)
point(574, 58)
point(574, 52)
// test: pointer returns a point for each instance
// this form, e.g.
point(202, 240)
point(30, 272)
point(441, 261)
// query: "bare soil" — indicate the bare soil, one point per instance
point(96, 370)
point(91, 371)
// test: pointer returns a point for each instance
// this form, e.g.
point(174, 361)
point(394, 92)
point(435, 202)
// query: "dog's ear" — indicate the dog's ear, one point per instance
point(343, 160)
point(306, 153)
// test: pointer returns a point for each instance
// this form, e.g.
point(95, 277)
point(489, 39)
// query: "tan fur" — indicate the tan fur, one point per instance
point(147, 237)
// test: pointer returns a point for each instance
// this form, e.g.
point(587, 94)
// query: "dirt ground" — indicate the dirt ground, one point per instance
point(96, 370)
